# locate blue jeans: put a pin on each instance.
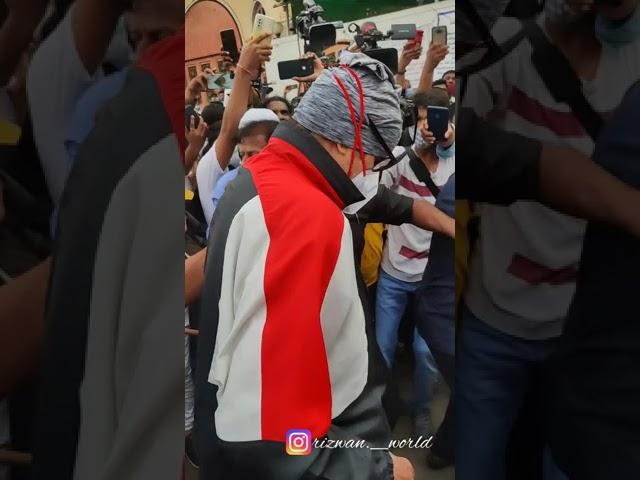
(391, 302)
(493, 374)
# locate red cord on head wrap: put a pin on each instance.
(357, 124)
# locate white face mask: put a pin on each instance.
(420, 143)
(367, 184)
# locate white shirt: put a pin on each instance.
(56, 80)
(527, 237)
(207, 175)
(406, 251)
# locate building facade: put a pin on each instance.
(205, 19)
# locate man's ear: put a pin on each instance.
(342, 149)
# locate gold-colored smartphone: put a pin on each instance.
(439, 35)
(263, 24)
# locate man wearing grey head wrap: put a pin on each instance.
(325, 111)
(288, 340)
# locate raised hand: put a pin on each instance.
(317, 69)
(254, 54)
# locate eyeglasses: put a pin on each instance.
(381, 164)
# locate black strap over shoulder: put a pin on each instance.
(421, 172)
(560, 78)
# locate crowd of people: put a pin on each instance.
(90, 94)
(547, 351)
(309, 233)
(321, 242)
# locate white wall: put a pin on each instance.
(425, 17)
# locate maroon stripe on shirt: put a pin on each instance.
(563, 124)
(421, 190)
(408, 253)
(536, 274)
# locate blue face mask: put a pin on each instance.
(617, 34)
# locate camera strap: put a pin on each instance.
(421, 171)
(562, 81)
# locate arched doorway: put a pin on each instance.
(203, 23)
(257, 8)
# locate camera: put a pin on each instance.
(409, 116)
(368, 36)
(311, 15)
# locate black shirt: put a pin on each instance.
(595, 374)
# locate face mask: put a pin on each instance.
(616, 34)
(367, 184)
(451, 89)
(420, 143)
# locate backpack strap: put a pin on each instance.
(560, 78)
(421, 172)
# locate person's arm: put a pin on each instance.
(22, 306)
(16, 33)
(573, 184)
(428, 217)
(196, 86)
(93, 23)
(194, 276)
(195, 139)
(318, 68)
(411, 51)
(395, 209)
(496, 166)
(63, 67)
(253, 55)
(435, 55)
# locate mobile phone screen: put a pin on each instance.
(439, 35)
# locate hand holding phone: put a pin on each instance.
(229, 45)
(438, 122)
(253, 55)
(295, 68)
(439, 35)
(263, 24)
(410, 52)
(436, 54)
(318, 67)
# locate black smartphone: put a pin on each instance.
(388, 56)
(438, 120)
(404, 31)
(229, 44)
(295, 68)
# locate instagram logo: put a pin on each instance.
(298, 442)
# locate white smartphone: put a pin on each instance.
(439, 35)
(263, 24)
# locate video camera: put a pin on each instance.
(368, 36)
(312, 28)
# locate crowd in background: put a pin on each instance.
(61, 64)
(394, 256)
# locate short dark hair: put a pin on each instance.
(213, 113)
(439, 83)
(264, 127)
(434, 97)
(447, 73)
(277, 98)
